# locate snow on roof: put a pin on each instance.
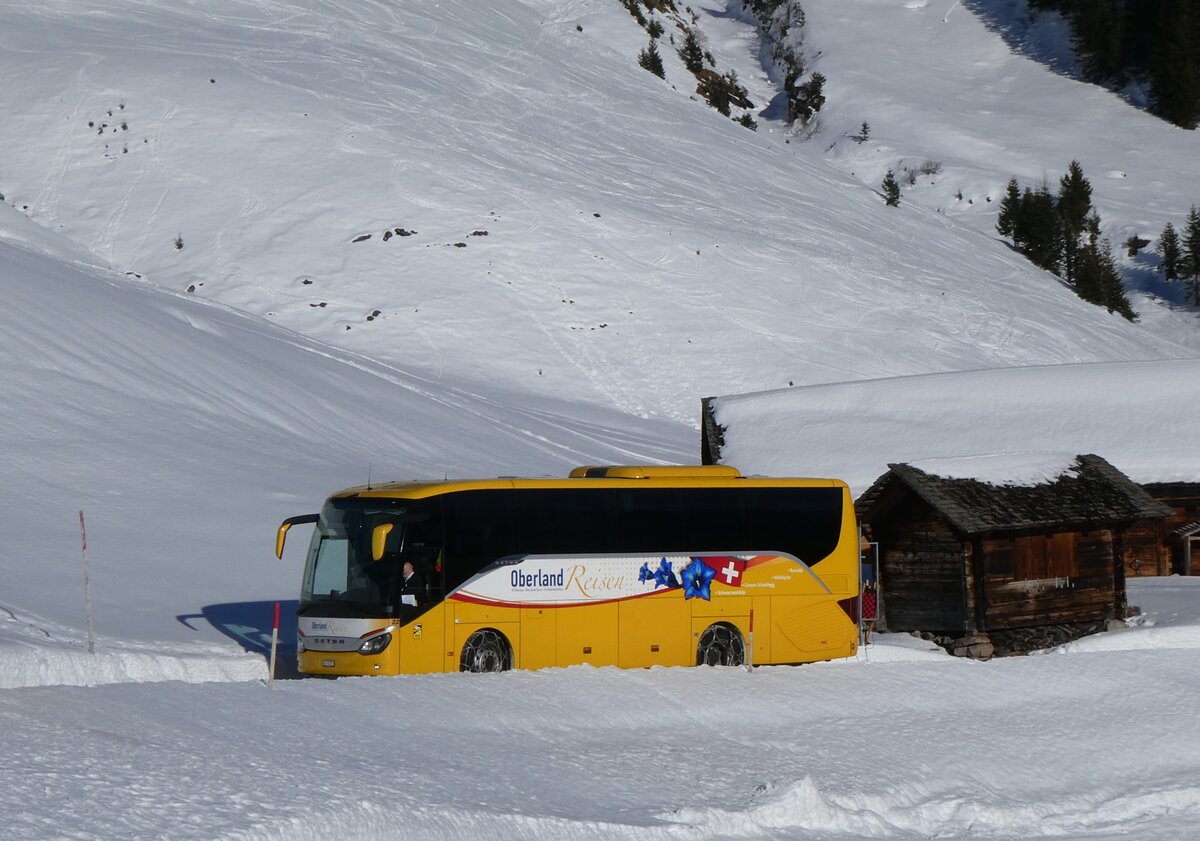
(1030, 468)
(1092, 491)
(1011, 424)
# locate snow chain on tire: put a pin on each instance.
(721, 645)
(486, 650)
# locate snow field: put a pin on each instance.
(891, 746)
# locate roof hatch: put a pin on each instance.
(672, 471)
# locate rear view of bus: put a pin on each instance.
(624, 566)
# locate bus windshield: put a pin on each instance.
(341, 575)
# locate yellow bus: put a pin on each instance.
(613, 566)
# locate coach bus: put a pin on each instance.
(613, 566)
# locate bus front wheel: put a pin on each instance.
(486, 650)
(721, 645)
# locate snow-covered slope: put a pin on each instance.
(186, 431)
(940, 82)
(578, 226)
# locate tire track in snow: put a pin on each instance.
(371, 821)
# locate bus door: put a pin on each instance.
(422, 633)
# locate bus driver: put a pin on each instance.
(412, 589)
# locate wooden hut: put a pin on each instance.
(1169, 546)
(970, 560)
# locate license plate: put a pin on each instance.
(327, 664)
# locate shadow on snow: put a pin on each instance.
(249, 625)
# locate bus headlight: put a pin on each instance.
(375, 644)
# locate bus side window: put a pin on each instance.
(478, 531)
(804, 522)
(652, 520)
(716, 519)
(553, 521)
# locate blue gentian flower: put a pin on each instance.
(697, 579)
(664, 576)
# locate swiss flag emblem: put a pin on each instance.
(728, 570)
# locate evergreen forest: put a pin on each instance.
(1153, 41)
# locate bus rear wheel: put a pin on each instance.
(721, 645)
(486, 650)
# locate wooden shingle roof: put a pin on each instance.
(1091, 493)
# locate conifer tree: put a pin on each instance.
(891, 190)
(1097, 277)
(1074, 204)
(1010, 206)
(806, 100)
(691, 53)
(1189, 265)
(1112, 289)
(1169, 248)
(1038, 232)
(1020, 220)
(649, 59)
(635, 8)
(1088, 271)
(1113, 295)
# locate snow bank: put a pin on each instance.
(39, 652)
(46, 666)
(916, 808)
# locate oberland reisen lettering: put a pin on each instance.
(538, 578)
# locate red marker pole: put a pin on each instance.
(274, 646)
(87, 589)
(750, 650)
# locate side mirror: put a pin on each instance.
(379, 539)
(281, 535)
